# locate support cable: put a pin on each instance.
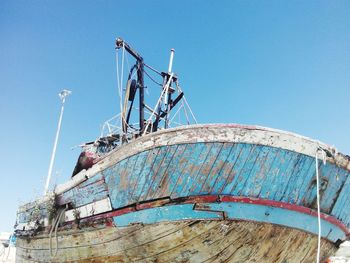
(151, 78)
(153, 69)
(319, 150)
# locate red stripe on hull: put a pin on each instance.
(217, 198)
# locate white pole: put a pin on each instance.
(169, 71)
(63, 94)
(171, 60)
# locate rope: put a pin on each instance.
(55, 226)
(318, 200)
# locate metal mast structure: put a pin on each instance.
(63, 94)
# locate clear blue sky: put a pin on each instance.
(282, 64)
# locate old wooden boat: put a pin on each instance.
(193, 193)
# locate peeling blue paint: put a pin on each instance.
(165, 213)
(223, 168)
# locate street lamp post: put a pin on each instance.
(63, 94)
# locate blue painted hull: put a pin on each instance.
(220, 178)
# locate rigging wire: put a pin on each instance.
(185, 111)
(187, 104)
(153, 69)
(151, 78)
(194, 118)
(319, 149)
(175, 114)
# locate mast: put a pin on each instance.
(120, 43)
(167, 98)
(141, 94)
(170, 96)
(168, 78)
(63, 94)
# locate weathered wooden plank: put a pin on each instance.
(246, 171)
(303, 172)
(190, 171)
(144, 174)
(284, 174)
(336, 179)
(243, 167)
(236, 169)
(204, 170)
(81, 249)
(173, 170)
(302, 165)
(164, 214)
(153, 173)
(89, 191)
(205, 241)
(216, 173)
(98, 236)
(279, 216)
(94, 208)
(177, 167)
(131, 177)
(134, 177)
(117, 182)
(258, 174)
(341, 208)
(227, 175)
(159, 178)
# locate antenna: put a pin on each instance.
(63, 94)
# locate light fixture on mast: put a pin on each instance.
(63, 94)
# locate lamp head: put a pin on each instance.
(64, 93)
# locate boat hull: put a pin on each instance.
(197, 182)
(186, 241)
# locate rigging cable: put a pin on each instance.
(319, 149)
(153, 69)
(194, 118)
(151, 78)
(185, 111)
(175, 114)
